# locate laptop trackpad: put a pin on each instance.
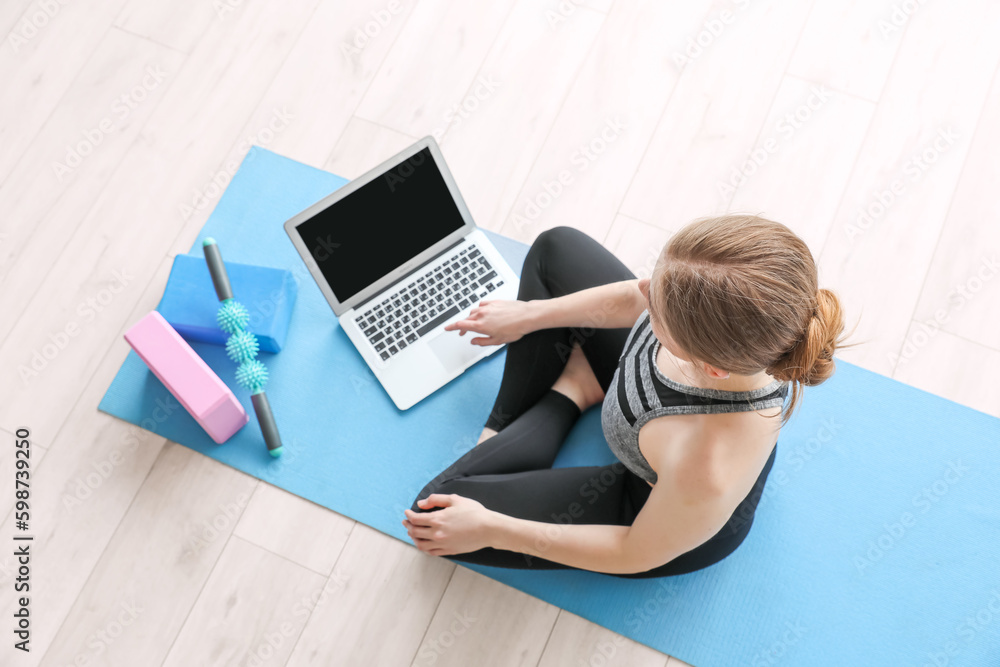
(452, 350)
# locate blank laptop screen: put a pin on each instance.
(381, 225)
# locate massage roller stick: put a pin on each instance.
(242, 346)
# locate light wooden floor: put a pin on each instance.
(148, 553)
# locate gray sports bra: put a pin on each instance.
(639, 392)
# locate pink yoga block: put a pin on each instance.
(187, 376)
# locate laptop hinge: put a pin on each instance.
(407, 275)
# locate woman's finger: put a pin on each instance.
(422, 533)
(461, 325)
(420, 518)
(482, 340)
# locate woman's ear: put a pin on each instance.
(713, 372)
(644, 287)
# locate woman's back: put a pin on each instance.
(642, 396)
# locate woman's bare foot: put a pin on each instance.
(578, 381)
(486, 434)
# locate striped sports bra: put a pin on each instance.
(640, 392)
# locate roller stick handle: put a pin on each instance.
(220, 278)
(267, 425)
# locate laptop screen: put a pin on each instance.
(382, 225)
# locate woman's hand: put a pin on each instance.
(463, 525)
(501, 322)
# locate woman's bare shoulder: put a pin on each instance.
(709, 454)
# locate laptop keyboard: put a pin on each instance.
(415, 309)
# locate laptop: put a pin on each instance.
(397, 256)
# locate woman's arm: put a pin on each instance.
(611, 306)
(685, 508)
(616, 305)
(596, 547)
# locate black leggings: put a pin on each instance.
(512, 472)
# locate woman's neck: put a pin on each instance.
(686, 372)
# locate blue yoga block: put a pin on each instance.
(190, 305)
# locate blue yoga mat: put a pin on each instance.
(875, 542)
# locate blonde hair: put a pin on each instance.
(740, 293)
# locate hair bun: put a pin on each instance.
(810, 360)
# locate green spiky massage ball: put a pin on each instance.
(232, 317)
(242, 346)
(252, 375)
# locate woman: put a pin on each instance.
(693, 366)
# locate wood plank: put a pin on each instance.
(8, 563)
(584, 168)
(963, 279)
(955, 368)
(178, 24)
(715, 115)
(74, 155)
(494, 120)
(161, 555)
(876, 253)
(83, 491)
(483, 622)
(800, 165)
(362, 145)
(637, 244)
(432, 64)
(73, 30)
(294, 528)
(251, 611)
(391, 589)
(21, 20)
(577, 641)
(849, 45)
(128, 231)
(324, 78)
(941, 75)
